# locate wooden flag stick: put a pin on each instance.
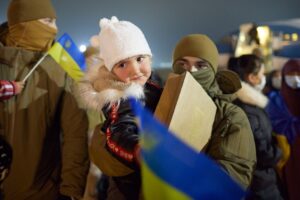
(35, 66)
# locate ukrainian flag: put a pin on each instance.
(172, 170)
(68, 56)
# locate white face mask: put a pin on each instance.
(262, 84)
(292, 81)
(276, 82)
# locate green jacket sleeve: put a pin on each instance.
(75, 161)
(232, 146)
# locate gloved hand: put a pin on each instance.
(124, 132)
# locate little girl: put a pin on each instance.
(124, 71)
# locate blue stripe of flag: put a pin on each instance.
(177, 164)
(69, 45)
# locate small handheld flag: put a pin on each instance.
(172, 170)
(67, 55)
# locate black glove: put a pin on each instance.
(124, 132)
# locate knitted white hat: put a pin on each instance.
(119, 40)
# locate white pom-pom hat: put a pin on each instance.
(119, 40)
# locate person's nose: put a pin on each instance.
(135, 68)
(191, 68)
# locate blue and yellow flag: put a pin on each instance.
(68, 56)
(172, 170)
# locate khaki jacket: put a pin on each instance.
(46, 128)
(232, 143)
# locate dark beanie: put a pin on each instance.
(28, 10)
(197, 45)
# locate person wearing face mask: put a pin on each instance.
(231, 144)
(44, 125)
(273, 82)
(265, 183)
(284, 112)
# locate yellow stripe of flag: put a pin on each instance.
(62, 57)
(162, 189)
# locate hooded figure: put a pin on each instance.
(284, 112)
(44, 125)
(231, 144)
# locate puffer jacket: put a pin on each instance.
(265, 183)
(123, 129)
(114, 142)
(46, 129)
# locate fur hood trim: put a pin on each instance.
(250, 95)
(99, 87)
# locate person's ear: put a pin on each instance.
(252, 79)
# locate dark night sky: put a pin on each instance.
(165, 21)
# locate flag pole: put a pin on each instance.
(34, 67)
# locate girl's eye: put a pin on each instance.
(140, 58)
(122, 65)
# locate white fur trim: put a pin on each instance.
(250, 95)
(100, 87)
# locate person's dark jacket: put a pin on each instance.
(265, 183)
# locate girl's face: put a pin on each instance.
(136, 69)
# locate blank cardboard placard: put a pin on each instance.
(187, 110)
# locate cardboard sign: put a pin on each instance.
(187, 110)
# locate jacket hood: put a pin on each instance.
(229, 83)
(99, 87)
(249, 95)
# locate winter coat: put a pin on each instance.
(265, 183)
(287, 128)
(114, 142)
(231, 144)
(46, 129)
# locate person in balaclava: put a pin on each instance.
(44, 125)
(284, 112)
(231, 144)
(266, 182)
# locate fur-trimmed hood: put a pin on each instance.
(99, 87)
(249, 95)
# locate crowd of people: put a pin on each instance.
(47, 137)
